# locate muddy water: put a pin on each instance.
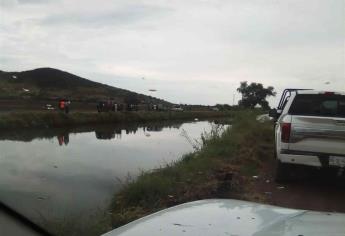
(49, 173)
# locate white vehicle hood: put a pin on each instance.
(234, 218)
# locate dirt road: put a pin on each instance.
(311, 190)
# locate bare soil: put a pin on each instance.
(311, 189)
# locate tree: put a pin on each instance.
(254, 94)
(223, 107)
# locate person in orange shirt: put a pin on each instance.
(62, 104)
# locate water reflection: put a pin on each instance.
(116, 132)
(58, 172)
(63, 139)
(106, 132)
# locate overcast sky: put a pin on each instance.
(189, 51)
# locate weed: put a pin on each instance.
(199, 174)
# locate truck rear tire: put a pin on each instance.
(282, 172)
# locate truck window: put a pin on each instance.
(318, 105)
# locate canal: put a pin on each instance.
(48, 174)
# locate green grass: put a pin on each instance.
(58, 119)
(197, 175)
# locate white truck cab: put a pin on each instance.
(310, 130)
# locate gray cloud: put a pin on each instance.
(33, 1)
(123, 15)
(185, 48)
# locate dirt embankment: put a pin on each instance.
(312, 189)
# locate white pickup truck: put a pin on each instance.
(310, 130)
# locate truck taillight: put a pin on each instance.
(286, 130)
(328, 93)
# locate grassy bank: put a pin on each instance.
(209, 172)
(57, 119)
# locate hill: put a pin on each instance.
(51, 84)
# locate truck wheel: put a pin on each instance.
(282, 172)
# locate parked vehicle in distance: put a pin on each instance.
(177, 109)
(106, 106)
(48, 107)
(310, 130)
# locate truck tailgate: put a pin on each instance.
(318, 135)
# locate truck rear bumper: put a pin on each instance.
(300, 159)
(311, 158)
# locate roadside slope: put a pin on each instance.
(237, 164)
(213, 171)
